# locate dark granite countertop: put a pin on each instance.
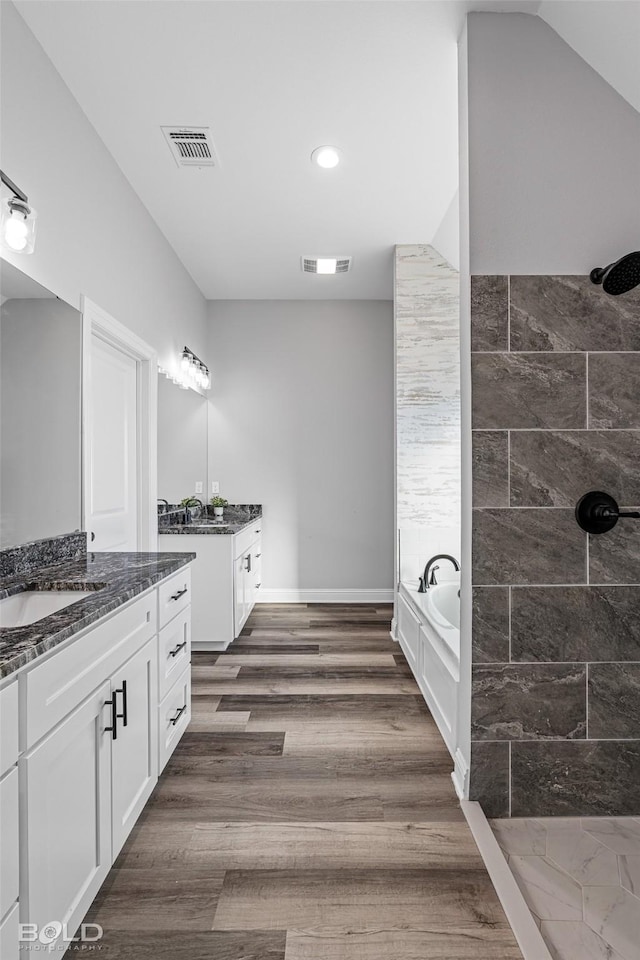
(113, 578)
(236, 518)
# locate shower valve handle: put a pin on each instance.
(598, 512)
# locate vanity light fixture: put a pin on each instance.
(326, 157)
(190, 373)
(17, 220)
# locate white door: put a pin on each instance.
(112, 437)
(66, 786)
(134, 751)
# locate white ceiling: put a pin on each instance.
(273, 80)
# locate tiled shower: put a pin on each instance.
(556, 615)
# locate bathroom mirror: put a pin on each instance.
(182, 442)
(40, 411)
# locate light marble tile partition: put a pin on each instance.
(427, 340)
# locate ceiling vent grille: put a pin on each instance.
(191, 146)
(319, 265)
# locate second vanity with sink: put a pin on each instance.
(227, 570)
(94, 697)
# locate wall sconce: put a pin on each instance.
(17, 220)
(192, 372)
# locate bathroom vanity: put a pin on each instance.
(94, 698)
(226, 572)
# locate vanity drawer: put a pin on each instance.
(8, 840)
(246, 538)
(174, 714)
(56, 687)
(8, 726)
(175, 650)
(174, 595)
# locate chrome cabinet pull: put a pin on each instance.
(113, 729)
(123, 690)
(175, 719)
(176, 650)
(247, 560)
(258, 585)
(258, 555)
(180, 593)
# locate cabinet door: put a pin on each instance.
(239, 601)
(66, 830)
(134, 751)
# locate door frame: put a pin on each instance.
(96, 321)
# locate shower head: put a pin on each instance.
(619, 277)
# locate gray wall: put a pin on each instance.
(40, 364)
(556, 637)
(94, 235)
(301, 420)
(554, 153)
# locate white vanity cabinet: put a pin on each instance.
(226, 575)
(9, 874)
(80, 738)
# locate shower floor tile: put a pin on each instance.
(580, 878)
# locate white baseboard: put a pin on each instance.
(520, 919)
(210, 646)
(325, 596)
(460, 775)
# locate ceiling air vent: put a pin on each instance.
(191, 146)
(326, 265)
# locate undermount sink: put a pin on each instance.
(32, 605)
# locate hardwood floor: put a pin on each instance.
(307, 814)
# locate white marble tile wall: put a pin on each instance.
(427, 304)
(580, 878)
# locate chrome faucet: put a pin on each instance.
(428, 578)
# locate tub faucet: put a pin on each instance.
(428, 578)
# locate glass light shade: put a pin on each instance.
(17, 226)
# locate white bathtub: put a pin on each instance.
(428, 630)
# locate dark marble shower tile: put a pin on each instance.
(575, 778)
(614, 701)
(528, 701)
(555, 468)
(575, 623)
(614, 557)
(490, 624)
(490, 468)
(489, 778)
(489, 313)
(528, 390)
(523, 546)
(614, 389)
(571, 313)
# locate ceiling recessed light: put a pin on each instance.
(326, 157)
(326, 264)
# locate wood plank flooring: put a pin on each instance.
(307, 814)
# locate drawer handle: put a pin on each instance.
(258, 555)
(258, 585)
(123, 690)
(247, 560)
(113, 729)
(175, 719)
(176, 650)
(180, 593)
